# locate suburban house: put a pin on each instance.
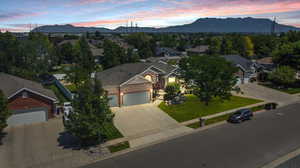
(247, 68)
(29, 101)
(134, 83)
(201, 49)
(167, 52)
(98, 53)
(266, 64)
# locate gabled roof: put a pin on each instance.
(11, 85)
(239, 60)
(199, 49)
(123, 73)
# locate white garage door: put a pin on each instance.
(27, 117)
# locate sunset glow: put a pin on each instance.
(17, 15)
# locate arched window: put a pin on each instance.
(149, 78)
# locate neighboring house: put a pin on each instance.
(247, 68)
(202, 49)
(29, 101)
(134, 83)
(167, 52)
(98, 53)
(266, 64)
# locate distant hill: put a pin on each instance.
(69, 29)
(214, 25)
(230, 25)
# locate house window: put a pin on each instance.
(24, 95)
(172, 80)
(148, 77)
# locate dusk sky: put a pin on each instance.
(16, 15)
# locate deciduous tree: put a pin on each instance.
(209, 76)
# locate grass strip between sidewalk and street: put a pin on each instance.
(119, 147)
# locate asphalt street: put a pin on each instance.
(251, 144)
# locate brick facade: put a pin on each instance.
(18, 102)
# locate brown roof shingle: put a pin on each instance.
(11, 84)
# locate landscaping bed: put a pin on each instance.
(193, 108)
(119, 147)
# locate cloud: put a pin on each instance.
(85, 2)
(5, 29)
(99, 22)
(198, 8)
(18, 15)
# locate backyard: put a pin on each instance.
(194, 108)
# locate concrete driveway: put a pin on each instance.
(146, 123)
(268, 94)
(37, 145)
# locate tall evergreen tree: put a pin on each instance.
(91, 113)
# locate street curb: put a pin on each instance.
(282, 159)
(131, 149)
(158, 142)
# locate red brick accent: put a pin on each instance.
(32, 101)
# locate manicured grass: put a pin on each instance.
(58, 93)
(111, 131)
(194, 108)
(119, 147)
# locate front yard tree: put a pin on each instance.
(4, 112)
(171, 90)
(283, 76)
(91, 113)
(209, 76)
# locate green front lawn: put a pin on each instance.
(111, 131)
(193, 108)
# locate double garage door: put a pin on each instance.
(136, 98)
(130, 99)
(27, 117)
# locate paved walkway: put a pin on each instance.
(146, 123)
(268, 94)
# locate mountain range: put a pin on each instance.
(206, 25)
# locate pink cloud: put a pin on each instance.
(5, 29)
(100, 22)
(212, 8)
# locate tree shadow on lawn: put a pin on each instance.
(2, 135)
